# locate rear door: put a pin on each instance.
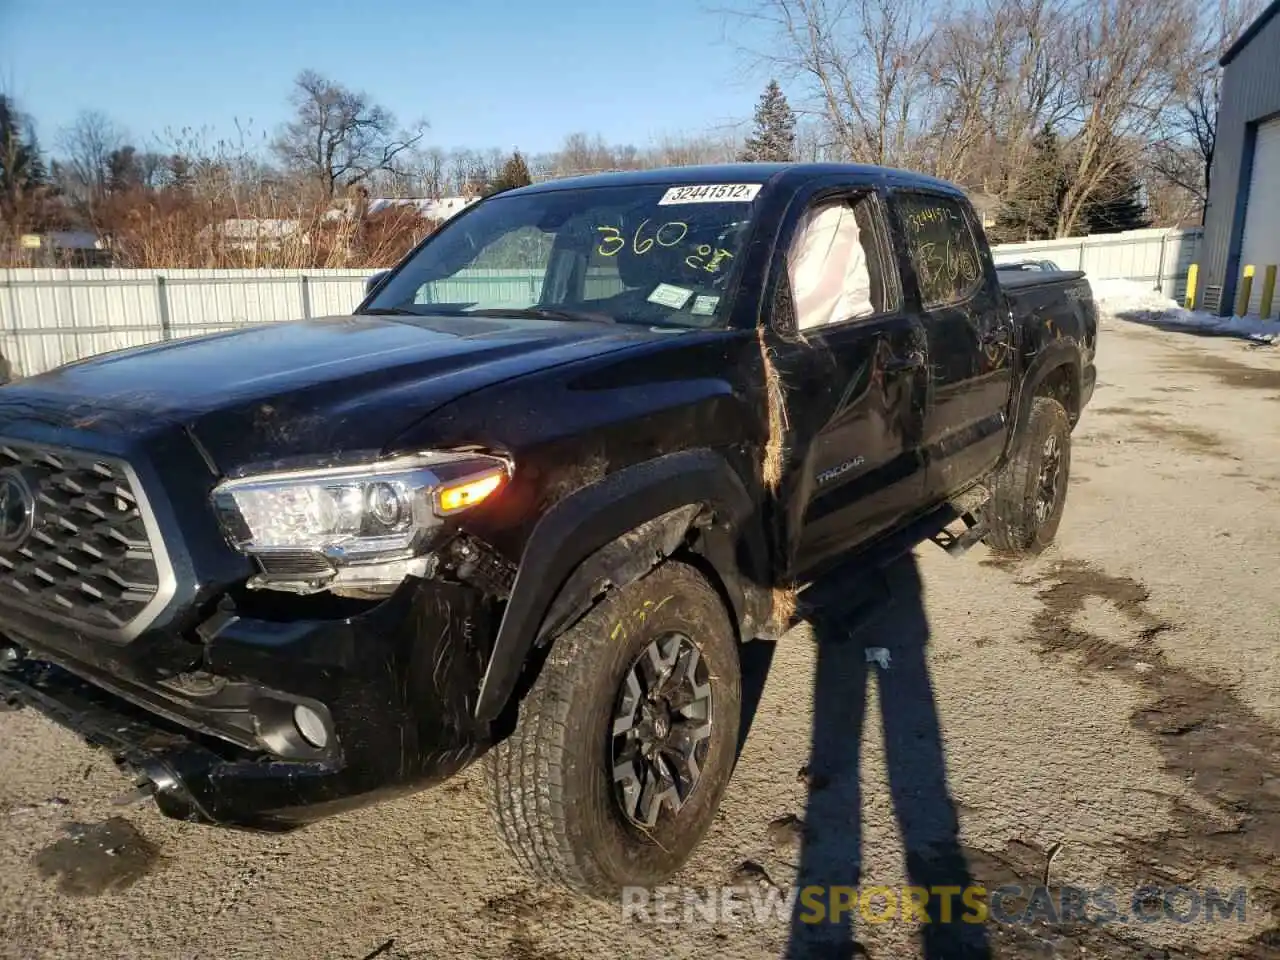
(969, 330)
(852, 364)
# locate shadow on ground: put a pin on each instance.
(1209, 739)
(856, 621)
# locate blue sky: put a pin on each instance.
(506, 73)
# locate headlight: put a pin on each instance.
(365, 514)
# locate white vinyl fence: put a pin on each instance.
(1158, 256)
(49, 317)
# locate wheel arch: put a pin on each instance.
(1062, 383)
(1056, 371)
(691, 503)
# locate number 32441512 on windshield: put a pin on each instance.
(711, 193)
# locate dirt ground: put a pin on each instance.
(1107, 716)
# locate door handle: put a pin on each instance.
(912, 361)
(998, 335)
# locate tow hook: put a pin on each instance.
(153, 778)
(144, 789)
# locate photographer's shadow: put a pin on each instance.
(851, 615)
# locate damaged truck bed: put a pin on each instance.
(527, 515)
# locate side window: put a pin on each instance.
(942, 248)
(835, 267)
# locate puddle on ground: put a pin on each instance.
(1156, 423)
(1233, 374)
(97, 858)
(1208, 739)
(1198, 441)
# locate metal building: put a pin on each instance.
(1242, 221)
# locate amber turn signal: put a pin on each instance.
(461, 496)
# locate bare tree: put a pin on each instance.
(86, 148)
(861, 62)
(1183, 156)
(584, 153)
(458, 171)
(965, 92)
(1124, 77)
(999, 79)
(430, 172)
(338, 137)
(678, 150)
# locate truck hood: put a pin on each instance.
(315, 388)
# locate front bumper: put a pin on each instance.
(397, 685)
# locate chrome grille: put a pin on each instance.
(88, 558)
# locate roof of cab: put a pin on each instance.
(739, 173)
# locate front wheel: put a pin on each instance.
(1030, 492)
(625, 744)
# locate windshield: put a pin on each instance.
(652, 254)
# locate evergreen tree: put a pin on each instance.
(24, 182)
(180, 172)
(774, 136)
(514, 173)
(1031, 211)
(1117, 205)
(124, 171)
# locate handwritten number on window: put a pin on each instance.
(946, 262)
(667, 235)
(611, 243)
(638, 245)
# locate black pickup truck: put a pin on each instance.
(527, 501)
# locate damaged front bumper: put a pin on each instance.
(394, 688)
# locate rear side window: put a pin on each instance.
(942, 248)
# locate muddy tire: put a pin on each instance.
(656, 661)
(1030, 493)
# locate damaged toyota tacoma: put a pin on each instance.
(527, 502)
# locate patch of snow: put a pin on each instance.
(1134, 301)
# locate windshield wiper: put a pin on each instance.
(390, 312)
(542, 313)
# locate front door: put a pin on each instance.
(969, 331)
(852, 365)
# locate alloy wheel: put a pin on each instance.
(661, 729)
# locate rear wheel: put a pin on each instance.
(1030, 492)
(625, 744)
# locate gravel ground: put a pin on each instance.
(1113, 707)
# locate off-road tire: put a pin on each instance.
(550, 783)
(1012, 524)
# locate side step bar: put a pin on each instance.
(860, 585)
(958, 543)
(883, 552)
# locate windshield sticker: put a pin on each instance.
(704, 306)
(669, 295)
(711, 193)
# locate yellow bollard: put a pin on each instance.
(1193, 273)
(1268, 291)
(1246, 292)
